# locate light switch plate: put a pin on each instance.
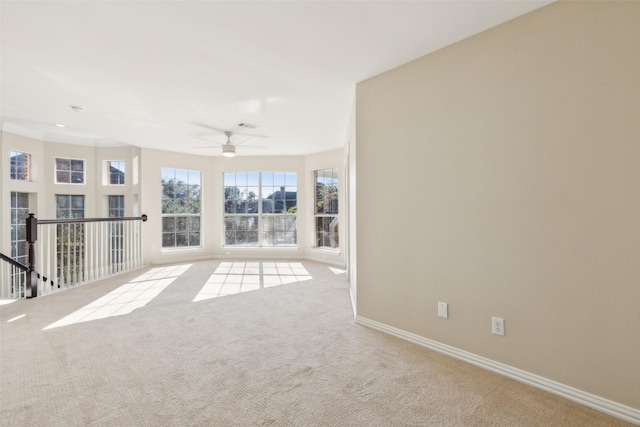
(443, 310)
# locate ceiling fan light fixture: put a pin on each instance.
(228, 150)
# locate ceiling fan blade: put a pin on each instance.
(209, 140)
(206, 147)
(206, 126)
(250, 135)
(223, 131)
(251, 147)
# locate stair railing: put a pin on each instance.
(71, 252)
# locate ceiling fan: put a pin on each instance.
(228, 148)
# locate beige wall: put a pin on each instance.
(502, 176)
(142, 193)
(37, 186)
(11, 142)
(42, 187)
(42, 174)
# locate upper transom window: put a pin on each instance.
(69, 171)
(19, 163)
(115, 169)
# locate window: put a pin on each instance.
(19, 213)
(326, 208)
(19, 162)
(116, 210)
(115, 170)
(181, 208)
(116, 206)
(70, 239)
(69, 171)
(260, 209)
(69, 206)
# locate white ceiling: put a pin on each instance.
(152, 73)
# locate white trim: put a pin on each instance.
(260, 248)
(353, 305)
(181, 250)
(246, 257)
(330, 251)
(598, 403)
(337, 263)
(260, 258)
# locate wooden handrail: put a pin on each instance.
(14, 262)
(142, 218)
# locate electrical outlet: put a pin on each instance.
(497, 326)
(443, 310)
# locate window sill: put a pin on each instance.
(167, 251)
(242, 248)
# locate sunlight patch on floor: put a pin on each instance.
(135, 294)
(237, 277)
(337, 270)
(16, 318)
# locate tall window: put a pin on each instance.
(19, 213)
(69, 171)
(260, 209)
(181, 208)
(116, 206)
(19, 165)
(115, 170)
(326, 208)
(70, 239)
(116, 210)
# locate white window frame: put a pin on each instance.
(19, 249)
(189, 217)
(14, 168)
(108, 174)
(320, 211)
(263, 218)
(18, 226)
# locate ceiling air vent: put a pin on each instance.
(247, 125)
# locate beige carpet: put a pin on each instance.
(287, 355)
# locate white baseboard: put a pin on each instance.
(597, 403)
(248, 257)
(321, 260)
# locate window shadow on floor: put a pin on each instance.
(237, 277)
